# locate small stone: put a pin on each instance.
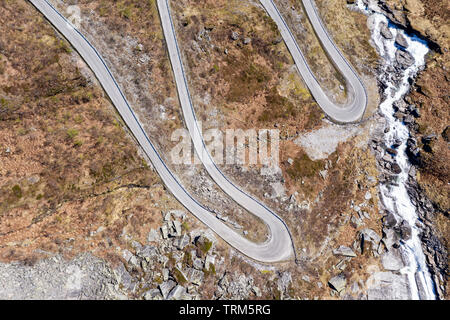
(234, 35)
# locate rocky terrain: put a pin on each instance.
(79, 201)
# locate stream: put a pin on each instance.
(394, 195)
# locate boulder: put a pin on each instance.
(405, 59)
(183, 242)
(389, 220)
(165, 231)
(197, 263)
(344, 251)
(392, 260)
(395, 168)
(387, 286)
(405, 230)
(195, 276)
(153, 294)
(400, 40)
(166, 287)
(177, 228)
(338, 282)
(176, 293)
(385, 32)
(147, 252)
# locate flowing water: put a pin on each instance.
(395, 196)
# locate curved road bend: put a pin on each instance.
(356, 105)
(277, 248)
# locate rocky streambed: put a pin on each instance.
(403, 55)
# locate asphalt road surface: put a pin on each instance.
(279, 245)
(277, 248)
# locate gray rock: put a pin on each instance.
(389, 220)
(234, 35)
(126, 254)
(323, 174)
(195, 276)
(247, 41)
(184, 241)
(153, 236)
(405, 230)
(166, 287)
(387, 286)
(153, 294)
(392, 260)
(197, 263)
(165, 273)
(284, 281)
(390, 238)
(405, 59)
(338, 282)
(400, 40)
(177, 227)
(344, 251)
(147, 252)
(385, 32)
(355, 287)
(165, 231)
(176, 293)
(305, 278)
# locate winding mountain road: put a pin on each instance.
(354, 108)
(279, 246)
